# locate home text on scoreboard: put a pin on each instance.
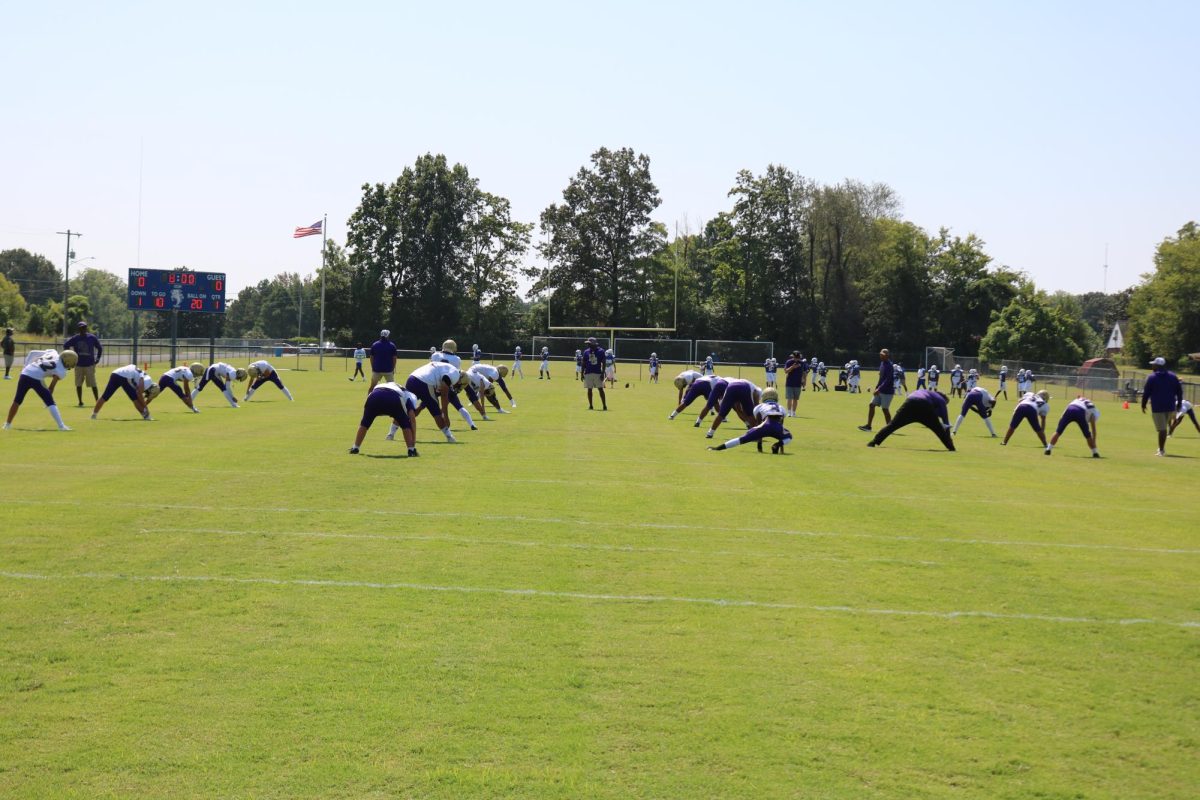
(176, 290)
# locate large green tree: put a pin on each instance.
(493, 246)
(1165, 308)
(599, 235)
(37, 276)
(967, 292)
(406, 242)
(12, 304)
(1032, 327)
(107, 298)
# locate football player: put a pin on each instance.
(769, 418)
(1032, 408)
(982, 403)
(133, 382)
(39, 365)
(391, 400)
(1082, 412)
(222, 376)
(178, 380)
(262, 372)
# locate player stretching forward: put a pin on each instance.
(516, 367)
(982, 403)
(262, 372)
(683, 380)
(220, 375)
(771, 425)
(390, 400)
(477, 387)
(741, 396)
(1032, 408)
(433, 385)
(132, 381)
(654, 367)
(38, 366)
(1185, 410)
(172, 378)
(926, 407)
(1082, 412)
(496, 375)
(544, 368)
(696, 385)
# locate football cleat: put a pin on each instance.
(353, 451)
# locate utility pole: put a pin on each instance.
(67, 273)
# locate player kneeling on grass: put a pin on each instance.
(390, 400)
(740, 396)
(433, 385)
(496, 375)
(769, 418)
(177, 380)
(220, 375)
(39, 365)
(133, 382)
(1082, 412)
(261, 372)
(925, 406)
(982, 403)
(1033, 408)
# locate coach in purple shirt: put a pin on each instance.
(1164, 393)
(383, 359)
(884, 389)
(87, 345)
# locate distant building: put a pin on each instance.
(1116, 339)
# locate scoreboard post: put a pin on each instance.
(176, 290)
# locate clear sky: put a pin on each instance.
(1049, 129)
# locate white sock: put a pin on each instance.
(957, 422)
(392, 430)
(194, 393)
(732, 443)
(288, 394)
(988, 422)
(250, 393)
(447, 433)
(467, 416)
(230, 398)
(54, 413)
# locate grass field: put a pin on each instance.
(575, 604)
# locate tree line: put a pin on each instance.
(828, 268)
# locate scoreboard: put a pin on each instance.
(176, 290)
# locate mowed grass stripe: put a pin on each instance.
(591, 596)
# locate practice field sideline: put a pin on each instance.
(590, 604)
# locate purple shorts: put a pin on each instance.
(166, 383)
(117, 382)
(385, 403)
(738, 396)
(26, 384)
(421, 389)
(772, 427)
(1078, 416)
(1026, 412)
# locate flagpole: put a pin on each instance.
(321, 334)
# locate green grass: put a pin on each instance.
(583, 604)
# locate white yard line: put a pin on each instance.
(590, 596)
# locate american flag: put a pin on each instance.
(308, 230)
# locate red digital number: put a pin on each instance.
(141, 282)
(190, 280)
(197, 305)
(217, 285)
(171, 278)
(139, 301)
(217, 305)
(159, 302)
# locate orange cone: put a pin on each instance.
(1125, 405)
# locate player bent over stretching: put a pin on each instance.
(262, 372)
(220, 375)
(982, 403)
(1082, 412)
(1033, 408)
(433, 385)
(496, 375)
(1185, 410)
(132, 381)
(390, 400)
(769, 416)
(703, 386)
(925, 406)
(683, 380)
(741, 396)
(177, 380)
(38, 366)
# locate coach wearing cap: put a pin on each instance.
(383, 359)
(87, 345)
(1164, 393)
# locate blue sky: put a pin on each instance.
(1050, 130)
